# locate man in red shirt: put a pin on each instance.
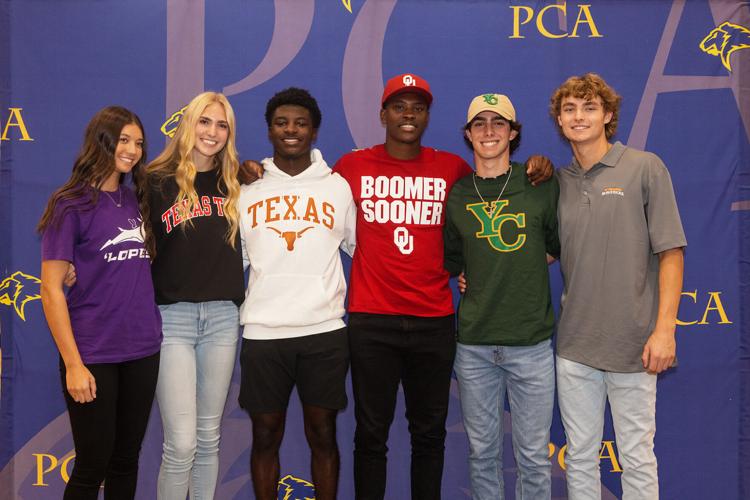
(401, 316)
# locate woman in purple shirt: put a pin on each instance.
(107, 327)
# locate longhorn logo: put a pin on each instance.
(133, 234)
(725, 40)
(289, 236)
(17, 290)
(294, 488)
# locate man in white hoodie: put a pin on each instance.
(293, 221)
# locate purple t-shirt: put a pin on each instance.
(112, 309)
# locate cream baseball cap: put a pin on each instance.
(497, 103)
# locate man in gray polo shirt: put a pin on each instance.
(622, 261)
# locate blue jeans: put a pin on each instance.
(197, 360)
(484, 372)
(582, 393)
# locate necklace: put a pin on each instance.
(488, 206)
(118, 203)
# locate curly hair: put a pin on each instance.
(296, 97)
(588, 86)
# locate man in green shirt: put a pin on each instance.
(500, 231)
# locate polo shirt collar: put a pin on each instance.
(613, 155)
(609, 160)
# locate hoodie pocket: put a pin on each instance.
(291, 300)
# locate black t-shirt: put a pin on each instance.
(194, 262)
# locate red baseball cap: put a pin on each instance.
(407, 82)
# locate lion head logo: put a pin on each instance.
(294, 488)
(169, 127)
(725, 40)
(17, 290)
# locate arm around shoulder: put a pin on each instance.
(539, 169)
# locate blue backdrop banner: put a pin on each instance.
(680, 66)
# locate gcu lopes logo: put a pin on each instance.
(17, 290)
(135, 233)
(294, 488)
(724, 40)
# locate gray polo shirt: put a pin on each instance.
(613, 221)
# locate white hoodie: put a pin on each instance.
(292, 228)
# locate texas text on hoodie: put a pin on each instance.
(292, 228)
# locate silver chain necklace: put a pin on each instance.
(117, 203)
(488, 206)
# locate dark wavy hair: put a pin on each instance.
(587, 87)
(296, 97)
(95, 162)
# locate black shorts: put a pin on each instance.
(317, 364)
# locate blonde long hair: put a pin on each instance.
(176, 161)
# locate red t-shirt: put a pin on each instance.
(398, 263)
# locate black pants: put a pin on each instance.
(107, 432)
(418, 353)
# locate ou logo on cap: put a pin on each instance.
(409, 81)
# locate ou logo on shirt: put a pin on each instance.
(403, 240)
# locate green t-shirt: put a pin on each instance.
(503, 254)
